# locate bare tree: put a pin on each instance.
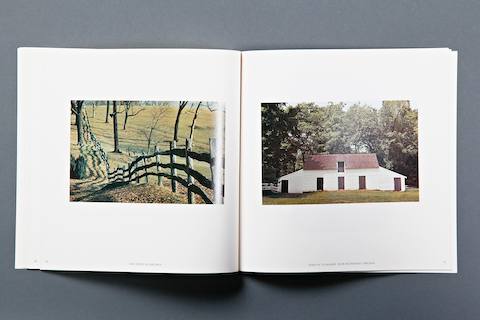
(195, 116)
(73, 110)
(181, 106)
(129, 112)
(107, 113)
(155, 118)
(116, 147)
(76, 107)
(194, 120)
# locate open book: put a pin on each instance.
(218, 161)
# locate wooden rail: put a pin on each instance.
(88, 135)
(149, 165)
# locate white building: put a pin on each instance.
(331, 172)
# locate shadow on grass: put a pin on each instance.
(99, 195)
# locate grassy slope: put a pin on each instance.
(133, 141)
(348, 196)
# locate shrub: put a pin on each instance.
(73, 164)
(78, 167)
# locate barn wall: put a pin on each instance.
(376, 179)
(296, 181)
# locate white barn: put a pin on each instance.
(332, 172)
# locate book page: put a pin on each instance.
(348, 160)
(128, 160)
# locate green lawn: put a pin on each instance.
(347, 196)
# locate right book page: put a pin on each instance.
(348, 161)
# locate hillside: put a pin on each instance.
(145, 122)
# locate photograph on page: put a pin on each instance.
(339, 152)
(147, 151)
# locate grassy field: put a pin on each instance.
(133, 141)
(347, 196)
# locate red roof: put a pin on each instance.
(352, 161)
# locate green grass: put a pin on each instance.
(347, 196)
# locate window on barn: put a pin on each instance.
(341, 166)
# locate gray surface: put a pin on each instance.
(244, 25)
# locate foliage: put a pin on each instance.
(279, 127)
(289, 131)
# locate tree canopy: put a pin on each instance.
(290, 132)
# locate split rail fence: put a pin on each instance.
(150, 165)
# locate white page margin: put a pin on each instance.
(119, 236)
(289, 238)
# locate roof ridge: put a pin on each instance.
(352, 161)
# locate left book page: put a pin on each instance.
(128, 160)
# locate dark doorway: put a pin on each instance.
(362, 183)
(398, 184)
(284, 186)
(341, 183)
(319, 184)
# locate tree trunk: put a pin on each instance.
(125, 119)
(129, 112)
(115, 128)
(79, 107)
(192, 127)
(177, 120)
(108, 111)
(73, 110)
(149, 140)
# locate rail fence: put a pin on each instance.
(88, 135)
(145, 166)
